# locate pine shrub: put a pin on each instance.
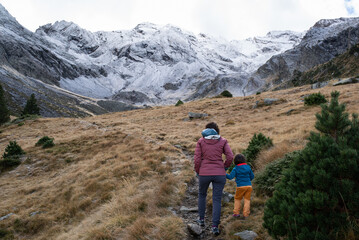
(45, 142)
(314, 99)
(4, 112)
(179, 102)
(48, 144)
(9, 162)
(226, 93)
(273, 173)
(257, 143)
(13, 149)
(31, 106)
(11, 155)
(318, 196)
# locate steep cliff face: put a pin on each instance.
(324, 41)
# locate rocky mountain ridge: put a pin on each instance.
(160, 64)
(324, 41)
(29, 64)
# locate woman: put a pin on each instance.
(210, 168)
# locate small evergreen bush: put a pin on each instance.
(257, 143)
(9, 162)
(226, 93)
(48, 144)
(11, 155)
(273, 173)
(31, 107)
(314, 99)
(179, 102)
(318, 196)
(45, 142)
(13, 149)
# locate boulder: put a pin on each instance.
(194, 229)
(267, 102)
(186, 209)
(193, 115)
(6, 216)
(319, 85)
(227, 197)
(290, 111)
(270, 101)
(247, 235)
(346, 81)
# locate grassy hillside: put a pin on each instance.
(120, 175)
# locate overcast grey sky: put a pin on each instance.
(230, 19)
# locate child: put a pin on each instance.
(244, 175)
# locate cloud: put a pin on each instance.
(350, 6)
(230, 19)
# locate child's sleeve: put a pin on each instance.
(232, 175)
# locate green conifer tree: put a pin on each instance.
(4, 111)
(31, 106)
(318, 197)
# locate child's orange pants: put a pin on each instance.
(242, 192)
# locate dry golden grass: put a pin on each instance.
(113, 176)
(273, 153)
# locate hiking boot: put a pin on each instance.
(236, 215)
(200, 222)
(243, 218)
(215, 230)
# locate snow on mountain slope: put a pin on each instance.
(158, 64)
(327, 39)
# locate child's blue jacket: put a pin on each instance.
(243, 174)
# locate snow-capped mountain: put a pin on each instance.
(154, 64)
(327, 39)
(158, 64)
(29, 65)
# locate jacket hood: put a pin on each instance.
(211, 141)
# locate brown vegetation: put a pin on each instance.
(114, 176)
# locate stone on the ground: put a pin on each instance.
(186, 209)
(227, 197)
(247, 235)
(319, 85)
(6, 216)
(193, 115)
(35, 213)
(270, 101)
(346, 81)
(290, 111)
(194, 229)
(267, 102)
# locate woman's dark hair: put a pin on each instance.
(239, 158)
(213, 125)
